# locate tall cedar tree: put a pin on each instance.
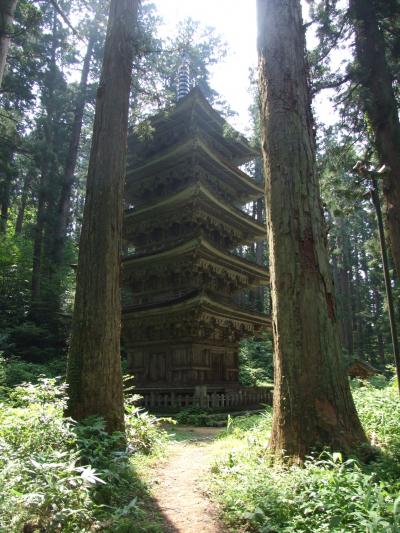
(380, 105)
(94, 366)
(313, 406)
(7, 11)
(48, 164)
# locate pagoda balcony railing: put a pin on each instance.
(162, 400)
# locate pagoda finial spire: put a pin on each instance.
(183, 77)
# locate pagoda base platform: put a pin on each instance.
(207, 397)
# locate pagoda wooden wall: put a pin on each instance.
(183, 364)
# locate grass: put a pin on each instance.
(329, 494)
(59, 476)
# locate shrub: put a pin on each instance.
(196, 416)
(143, 430)
(33, 342)
(56, 475)
(41, 479)
(14, 371)
(378, 406)
(328, 494)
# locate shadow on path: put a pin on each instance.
(177, 483)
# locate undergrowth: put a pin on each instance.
(329, 494)
(14, 370)
(56, 475)
(196, 416)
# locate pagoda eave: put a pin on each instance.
(200, 257)
(237, 144)
(191, 202)
(191, 152)
(194, 108)
(196, 316)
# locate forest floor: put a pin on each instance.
(177, 482)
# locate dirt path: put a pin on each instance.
(177, 486)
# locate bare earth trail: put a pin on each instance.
(177, 487)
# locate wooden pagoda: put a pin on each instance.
(181, 328)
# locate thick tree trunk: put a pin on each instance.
(94, 366)
(260, 245)
(313, 406)
(380, 106)
(7, 11)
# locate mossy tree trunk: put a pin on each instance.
(94, 366)
(313, 406)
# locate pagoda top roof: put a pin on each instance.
(195, 112)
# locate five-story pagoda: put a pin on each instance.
(181, 328)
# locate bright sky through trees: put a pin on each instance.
(235, 20)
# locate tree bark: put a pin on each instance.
(94, 365)
(260, 245)
(378, 319)
(380, 106)
(24, 198)
(5, 191)
(386, 274)
(6, 19)
(45, 191)
(344, 286)
(37, 247)
(313, 406)
(357, 305)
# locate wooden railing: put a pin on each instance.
(249, 397)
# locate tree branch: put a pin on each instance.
(66, 20)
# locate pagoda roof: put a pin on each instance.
(199, 251)
(212, 209)
(239, 185)
(200, 303)
(195, 112)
